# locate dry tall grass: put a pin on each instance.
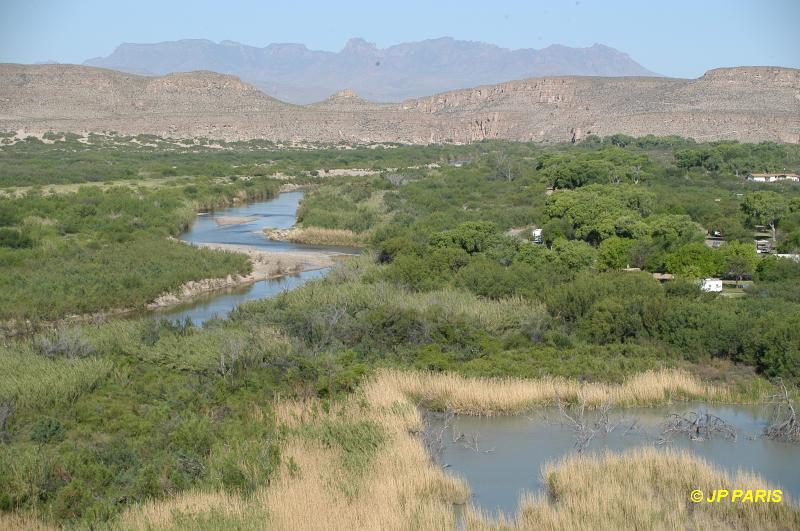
(646, 489)
(400, 488)
(485, 396)
(321, 236)
(17, 522)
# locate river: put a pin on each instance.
(511, 449)
(277, 213)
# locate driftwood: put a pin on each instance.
(783, 417)
(696, 426)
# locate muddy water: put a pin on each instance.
(277, 213)
(511, 450)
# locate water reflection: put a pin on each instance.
(502, 456)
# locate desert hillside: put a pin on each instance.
(746, 103)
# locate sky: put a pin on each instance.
(681, 38)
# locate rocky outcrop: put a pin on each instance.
(747, 104)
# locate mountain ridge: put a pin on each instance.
(748, 104)
(293, 72)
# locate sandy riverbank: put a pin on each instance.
(265, 265)
(233, 220)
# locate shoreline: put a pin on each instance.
(266, 265)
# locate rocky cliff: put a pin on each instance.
(747, 104)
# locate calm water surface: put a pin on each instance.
(512, 449)
(277, 213)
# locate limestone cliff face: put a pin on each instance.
(748, 104)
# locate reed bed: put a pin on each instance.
(323, 236)
(394, 485)
(646, 488)
(14, 522)
(491, 396)
(30, 379)
(492, 315)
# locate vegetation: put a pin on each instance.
(137, 423)
(391, 478)
(97, 249)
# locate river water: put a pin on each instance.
(511, 449)
(277, 213)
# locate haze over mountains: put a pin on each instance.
(293, 73)
(747, 103)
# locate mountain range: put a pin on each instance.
(745, 103)
(293, 73)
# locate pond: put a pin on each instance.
(500, 457)
(277, 213)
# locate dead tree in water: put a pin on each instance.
(697, 426)
(433, 438)
(584, 429)
(783, 418)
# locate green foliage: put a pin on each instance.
(694, 260)
(764, 208)
(732, 156)
(615, 253)
(603, 166)
(574, 255)
(593, 211)
(101, 417)
(97, 249)
(472, 236)
(739, 259)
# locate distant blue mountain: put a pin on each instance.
(292, 72)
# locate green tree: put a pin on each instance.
(614, 253)
(765, 208)
(694, 260)
(670, 231)
(739, 259)
(574, 254)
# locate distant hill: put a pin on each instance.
(293, 73)
(748, 104)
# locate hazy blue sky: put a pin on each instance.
(674, 37)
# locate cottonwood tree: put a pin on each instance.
(740, 260)
(765, 208)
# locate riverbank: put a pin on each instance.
(265, 265)
(361, 463)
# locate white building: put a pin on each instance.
(712, 285)
(773, 177)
